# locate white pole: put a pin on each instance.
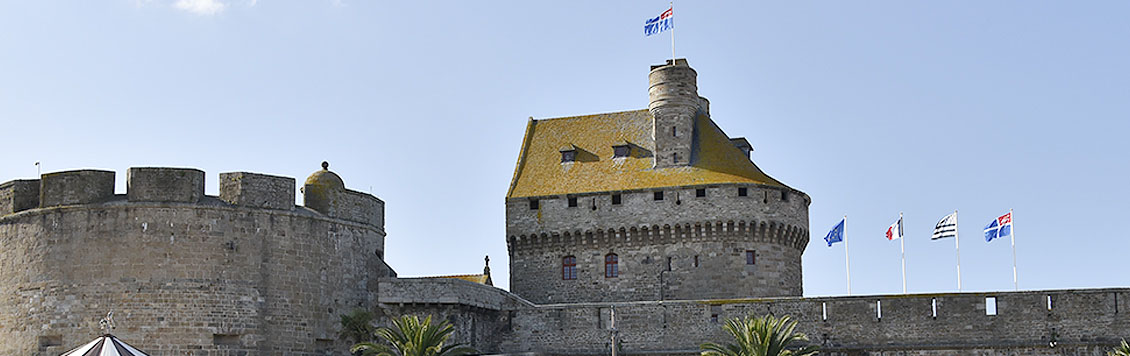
(612, 317)
(38, 170)
(902, 243)
(957, 245)
(847, 259)
(672, 32)
(1012, 220)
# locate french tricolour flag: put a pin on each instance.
(895, 230)
(663, 22)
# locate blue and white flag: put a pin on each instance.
(1000, 227)
(836, 235)
(663, 22)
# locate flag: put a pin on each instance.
(836, 235)
(663, 22)
(946, 228)
(1000, 227)
(895, 230)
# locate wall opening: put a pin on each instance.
(225, 339)
(572, 202)
(750, 257)
(715, 313)
(668, 264)
(700, 192)
(743, 192)
(1050, 302)
(534, 205)
(616, 199)
(878, 310)
(46, 341)
(696, 260)
(673, 132)
(657, 196)
(824, 311)
(990, 305)
(934, 308)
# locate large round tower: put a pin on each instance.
(654, 204)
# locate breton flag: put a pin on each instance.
(663, 22)
(1000, 227)
(895, 230)
(836, 235)
(946, 228)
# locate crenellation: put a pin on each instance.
(19, 195)
(163, 184)
(75, 187)
(255, 190)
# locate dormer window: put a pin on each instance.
(568, 153)
(622, 149)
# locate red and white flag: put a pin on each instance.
(895, 230)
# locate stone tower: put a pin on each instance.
(655, 204)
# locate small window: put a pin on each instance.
(990, 305)
(675, 157)
(568, 156)
(616, 199)
(534, 204)
(569, 267)
(696, 260)
(1049, 302)
(658, 196)
(743, 192)
(700, 192)
(673, 132)
(669, 259)
(878, 309)
(621, 151)
(784, 196)
(572, 202)
(934, 307)
(611, 266)
(750, 257)
(824, 311)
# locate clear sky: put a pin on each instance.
(870, 107)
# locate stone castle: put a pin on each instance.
(651, 225)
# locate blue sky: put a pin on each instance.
(870, 107)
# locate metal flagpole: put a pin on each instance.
(612, 317)
(672, 32)
(847, 259)
(957, 245)
(902, 243)
(1012, 233)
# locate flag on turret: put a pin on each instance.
(663, 22)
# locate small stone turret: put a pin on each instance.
(325, 192)
(674, 103)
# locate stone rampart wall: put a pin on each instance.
(649, 235)
(1081, 322)
(19, 195)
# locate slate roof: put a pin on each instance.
(540, 172)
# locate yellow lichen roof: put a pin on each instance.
(540, 172)
(477, 278)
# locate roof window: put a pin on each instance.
(619, 151)
(568, 154)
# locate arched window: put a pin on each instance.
(569, 267)
(611, 266)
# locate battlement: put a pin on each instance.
(756, 231)
(181, 185)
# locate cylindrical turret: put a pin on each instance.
(674, 103)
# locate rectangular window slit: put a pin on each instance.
(696, 260)
(990, 305)
(743, 192)
(934, 307)
(534, 204)
(750, 257)
(1049, 302)
(878, 309)
(572, 202)
(824, 310)
(616, 199)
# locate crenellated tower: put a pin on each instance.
(656, 204)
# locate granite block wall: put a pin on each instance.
(257, 190)
(75, 187)
(19, 195)
(158, 184)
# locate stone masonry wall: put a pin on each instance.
(1081, 322)
(159, 184)
(19, 195)
(75, 187)
(204, 278)
(649, 235)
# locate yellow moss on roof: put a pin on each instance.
(539, 171)
(477, 278)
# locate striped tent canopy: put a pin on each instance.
(105, 345)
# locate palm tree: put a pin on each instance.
(1123, 350)
(411, 337)
(764, 336)
(357, 326)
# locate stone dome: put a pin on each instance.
(324, 178)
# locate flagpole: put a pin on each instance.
(902, 243)
(957, 245)
(1012, 233)
(672, 32)
(847, 259)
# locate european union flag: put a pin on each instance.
(836, 235)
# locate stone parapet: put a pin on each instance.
(75, 187)
(19, 195)
(256, 190)
(160, 184)
(447, 291)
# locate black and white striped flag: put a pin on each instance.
(946, 228)
(107, 345)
